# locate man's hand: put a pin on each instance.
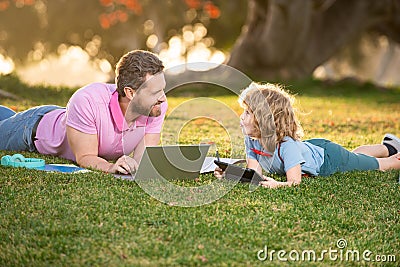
(124, 165)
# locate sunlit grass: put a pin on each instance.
(50, 219)
(347, 121)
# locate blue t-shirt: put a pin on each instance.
(292, 152)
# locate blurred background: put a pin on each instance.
(74, 42)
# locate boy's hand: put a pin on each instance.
(269, 182)
(219, 173)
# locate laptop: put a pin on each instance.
(171, 162)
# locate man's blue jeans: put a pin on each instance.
(16, 128)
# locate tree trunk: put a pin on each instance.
(290, 38)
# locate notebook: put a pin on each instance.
(209, 165)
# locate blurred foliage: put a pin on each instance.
(29, 96)
(118, 25)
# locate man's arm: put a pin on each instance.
(152, 139)
(85, 148)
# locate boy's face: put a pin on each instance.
(247, 123)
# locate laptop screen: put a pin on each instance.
(172, 162)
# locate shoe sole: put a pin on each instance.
(394, 138)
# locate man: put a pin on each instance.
(101, 122)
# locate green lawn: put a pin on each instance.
(50, 219)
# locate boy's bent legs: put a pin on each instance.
(6, 113)
(390, 163)
(377, 151)
(339, 159)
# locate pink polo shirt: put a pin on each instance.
(94, 109)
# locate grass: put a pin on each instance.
(50, 219)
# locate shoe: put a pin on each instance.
(392, 140)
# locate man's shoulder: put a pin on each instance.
(95, 92)
(97, 88)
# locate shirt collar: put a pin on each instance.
(116, 111)
(119, 118)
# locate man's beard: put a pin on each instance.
(153, 111)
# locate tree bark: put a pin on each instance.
(289, 38)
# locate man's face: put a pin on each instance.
(150, 96)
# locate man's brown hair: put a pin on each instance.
(132, 68)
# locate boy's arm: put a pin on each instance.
(293, 176)
(253, 164)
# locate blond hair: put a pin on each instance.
(274, 114)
